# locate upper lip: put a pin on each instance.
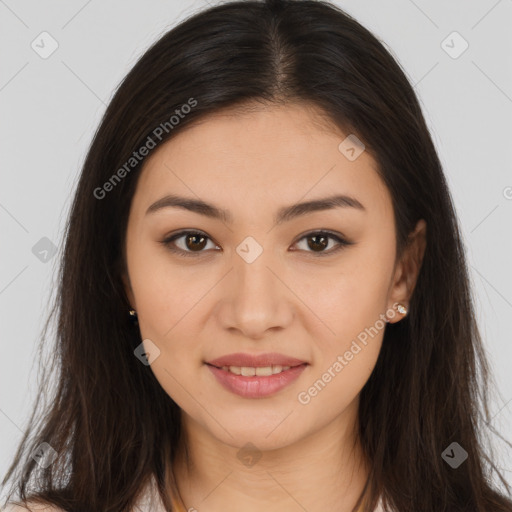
(255, 361)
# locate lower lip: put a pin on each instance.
(256, 387)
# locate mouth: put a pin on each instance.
(256, 371)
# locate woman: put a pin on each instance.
(264, 299)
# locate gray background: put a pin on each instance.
(50, 108)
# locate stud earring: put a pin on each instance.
(133, 316)
(402, 309)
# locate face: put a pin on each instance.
(313, 284)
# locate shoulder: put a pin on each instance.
(31, 506)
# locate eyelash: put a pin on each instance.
(168, 242)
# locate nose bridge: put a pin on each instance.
(258, 300)
(252, 274)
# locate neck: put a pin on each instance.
(325, 470)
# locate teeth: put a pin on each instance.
(262, 371)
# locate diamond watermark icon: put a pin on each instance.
(44, 250)
(351, 147)
(147, 352)
(44, 455)
(454, 455)
(249, 249)
(454, 45)
(249, 454)
(44, 45)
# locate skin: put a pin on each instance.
(294, 302)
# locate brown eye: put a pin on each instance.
(190, 242)
(318, 241)
(195, 242)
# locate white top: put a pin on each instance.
(151, 502)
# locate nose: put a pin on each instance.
(256, 297)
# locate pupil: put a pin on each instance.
(315, 246)
(194, 237)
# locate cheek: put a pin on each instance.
(347, 352)
(350, 298)
(171, 305)
(351, 305)
(161, 292)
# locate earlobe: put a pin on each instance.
(391, 313)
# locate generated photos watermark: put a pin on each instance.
(151, 142)
(304, 397)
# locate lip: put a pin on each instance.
(255, 386)
(255, 361)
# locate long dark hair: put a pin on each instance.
(108, 419)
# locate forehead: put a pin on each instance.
(279, 154)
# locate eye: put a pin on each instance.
(317, 241)
(196, 241)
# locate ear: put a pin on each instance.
(408, 269)
(128, 289)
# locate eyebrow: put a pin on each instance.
(284, 214)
